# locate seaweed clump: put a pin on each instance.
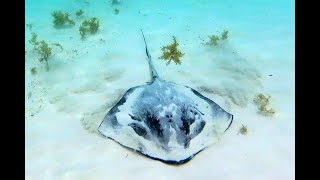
(29, 25)
(116, 11)
(243, 130)
(45, 52)
(33, 71)
(263, 102)
(224, 35)
(215, 40)
(80, 12)
(34, 41)
(115, 2)
(89, 26)
(43, 49)
(60, 19)
(171, 52)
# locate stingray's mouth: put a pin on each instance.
(231, 120)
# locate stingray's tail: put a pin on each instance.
(153, 71)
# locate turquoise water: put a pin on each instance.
(65, 104)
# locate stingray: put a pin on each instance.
(165, 121)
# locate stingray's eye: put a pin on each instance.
(191, 111)
(167, 116)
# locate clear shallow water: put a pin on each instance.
(91, 73)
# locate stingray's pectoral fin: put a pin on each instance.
(187, 142)
(134, 117)
(229, 121)
(199, 127)
(222, 121)
(140, 130)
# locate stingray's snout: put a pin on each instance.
(230, 120)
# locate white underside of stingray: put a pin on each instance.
(165, 121)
